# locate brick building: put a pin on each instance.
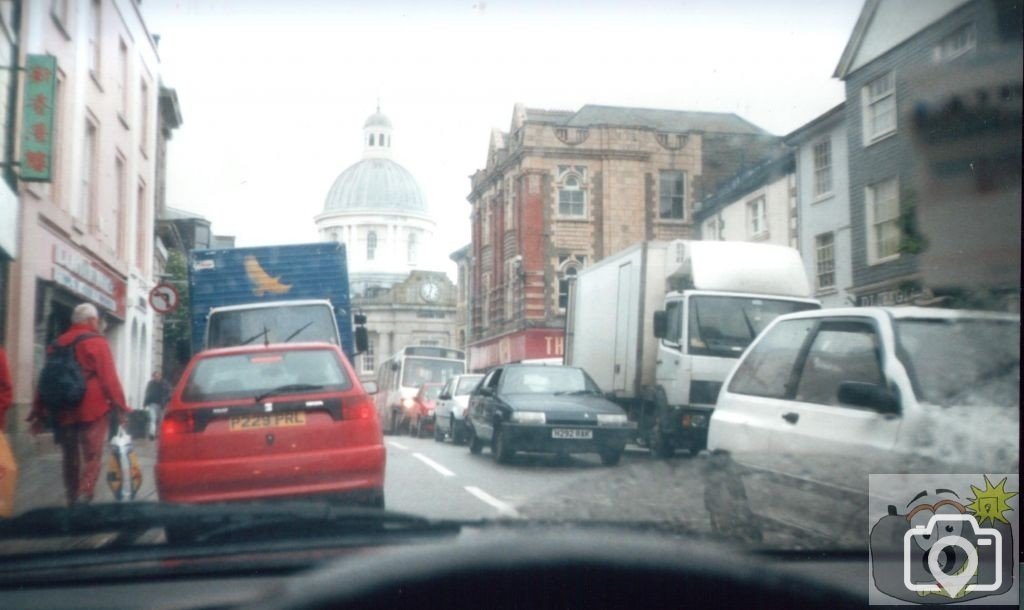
(562, 189)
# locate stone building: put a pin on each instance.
(376, 208)
(562, 189)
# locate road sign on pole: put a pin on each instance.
(164, 298)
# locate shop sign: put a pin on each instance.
(79, 274)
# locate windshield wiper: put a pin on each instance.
(211, 522)
(291, 387)
(302, 328)
(262, 333)
(575, 392)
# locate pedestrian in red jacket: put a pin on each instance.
(82, 432)
(6, 389)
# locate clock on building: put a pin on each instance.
(430, 291)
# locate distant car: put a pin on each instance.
(823, 399)
(420, 414)
(545, 409)
(450, 413)
(275, 421)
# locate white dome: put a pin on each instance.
(375, 185)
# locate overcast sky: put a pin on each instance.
(274, 94)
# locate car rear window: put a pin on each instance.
(249, 375)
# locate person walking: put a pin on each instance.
(81, 432)
(158, 392)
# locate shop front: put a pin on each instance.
(532, 344)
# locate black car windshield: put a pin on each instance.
(248, 375)
(962, 361)
(546, 380)
(418, 371)
(725, 326)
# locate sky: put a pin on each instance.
(274, 94)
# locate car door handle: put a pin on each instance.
(791, 417)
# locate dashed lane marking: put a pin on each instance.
(503, 507)
(429, 462)
(398, 445)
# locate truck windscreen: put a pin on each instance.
(724, 326)
(291, 323)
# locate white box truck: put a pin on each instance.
(660, 325)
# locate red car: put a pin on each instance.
(276, 421)
(420, 414)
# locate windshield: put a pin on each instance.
(467, 384)
(431, 393)
(634, 191)
(546, 380)
(963, 362)
(249, 375)
(272, 325)
(725, 326)
(417, 371)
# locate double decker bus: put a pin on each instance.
(400, 377)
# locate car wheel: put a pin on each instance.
(421, 432)
(475, 444)
(501, 448)
(661, 445)
(414, 431)
(438, 433)
(611, 455)
(458, 435)
(393, 427)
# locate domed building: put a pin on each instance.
(377, 209)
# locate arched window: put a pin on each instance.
(572, 197)
(380, 138)
(371, 139)
(412, 254)
(371, 245)
(568, 267)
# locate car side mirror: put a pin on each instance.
(444, 397)
(660, 324)
(869, 395)
(484, 392)
(370, 387)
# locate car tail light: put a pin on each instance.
(177, 422)
(408, 403)
(360, 409)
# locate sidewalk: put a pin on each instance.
(40, 482)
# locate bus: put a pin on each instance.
(400, 377)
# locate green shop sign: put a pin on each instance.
(37, 118)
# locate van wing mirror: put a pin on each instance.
(661, 324)
(869, 395)
(370, 387)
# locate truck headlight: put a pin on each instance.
(529, 417)
(611, 419)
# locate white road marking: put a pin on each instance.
(433, 464)
(397, 445)
(503, 507)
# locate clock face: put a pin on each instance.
(430, 292)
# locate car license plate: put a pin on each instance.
(267, 420)
(572, 433)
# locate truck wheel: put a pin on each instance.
(660, 444)
(475, 444)
(501, 449)
(611, 456)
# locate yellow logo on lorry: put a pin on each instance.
(262, 283)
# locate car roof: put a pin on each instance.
(273, 347)
(905, 313)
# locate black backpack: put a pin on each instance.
(61, 382)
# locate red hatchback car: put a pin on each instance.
(421, 413)
(276, 421)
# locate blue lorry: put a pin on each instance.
(272, 294)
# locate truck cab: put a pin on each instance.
(701, 334)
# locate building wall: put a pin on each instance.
(824, 214)
(898, 279)
(734, 219)
(105, 255)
